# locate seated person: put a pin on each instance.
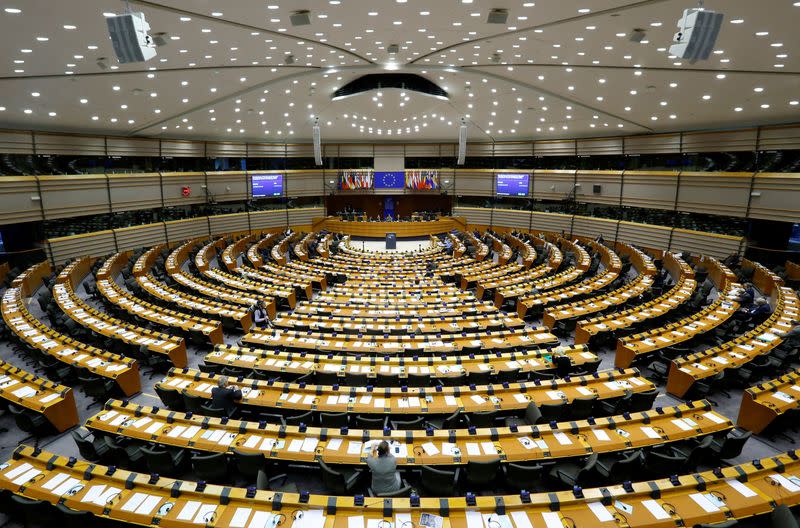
(225, 397)
(747, 295)
(383, 466)
(756, 313)
(791, 337)
(260, 317)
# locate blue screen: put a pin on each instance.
(267, 185)
(390, 180)
(512, 184)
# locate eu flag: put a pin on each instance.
(390, 180)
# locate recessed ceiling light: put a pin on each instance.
(13, 10)
(51, 114)
(28, 111)
(762, 33)
(721, 76)
(706, 97)
(758, 89)
(216, 14)
(794, 103)
(765, 105)
(35, 94)
(737, 21)
(584, 10)
(70, 26)
(424, 13)
(42, 39)
(84, 101)
(738, 109)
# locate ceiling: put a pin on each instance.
(555, 69)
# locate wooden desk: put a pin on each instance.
(121, 298)
(442, 367)
(31, 279)
(173, 266)
(792, 271)
(27, 328)
(383, 344)
(632, 348)
(528, 443)
(746, 490)
(412, 401)
(686, 370)
(103, 324)
(763, 278)
(766, 401)
(379, 229)
(55, 402)
(232, 314)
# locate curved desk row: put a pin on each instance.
(704, 498)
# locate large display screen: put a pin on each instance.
(512, 184)
(267, 185)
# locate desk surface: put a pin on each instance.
(399, 400)
(374, 364)
(379, 229)
(136, 498)
(414, 447)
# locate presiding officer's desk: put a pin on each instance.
(445, 366)
(379, 229)
(766, 401)
(709, 497)
(506, 397)
(523, 443)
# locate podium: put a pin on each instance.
(391, 240)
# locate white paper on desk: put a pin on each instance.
(430, 449)
(782, 396)
(354, 448)
(655, 509)
(683, 425)
(474, 519)
(488, 448)
(176, 431)
(789, 485)
(334, 444)
(554, 394)
(552, 520)
(520, 398)
(562, 438)
(252, 441)
(480, 400)
(190, 431)
(473, 449)
(154, 428)
(295, 445)
(227, 439)
(402, 520)
(450, 400)
(332, 400)
(742, 488)
(66, 486)
(267, 444)
(703, 502)
(714, 417)
(148, 505)
(240, 517)
(55, 481)
(309, 519)
(601, 512)
(601, 435)
(355, 521)
(106, 496)
(24, 392)
(521, 519)
(134, 502)
(380, 403)
(93, 492)
(650, 433)
(309, 444)
(188, 510)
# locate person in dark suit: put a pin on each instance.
(223, 396)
